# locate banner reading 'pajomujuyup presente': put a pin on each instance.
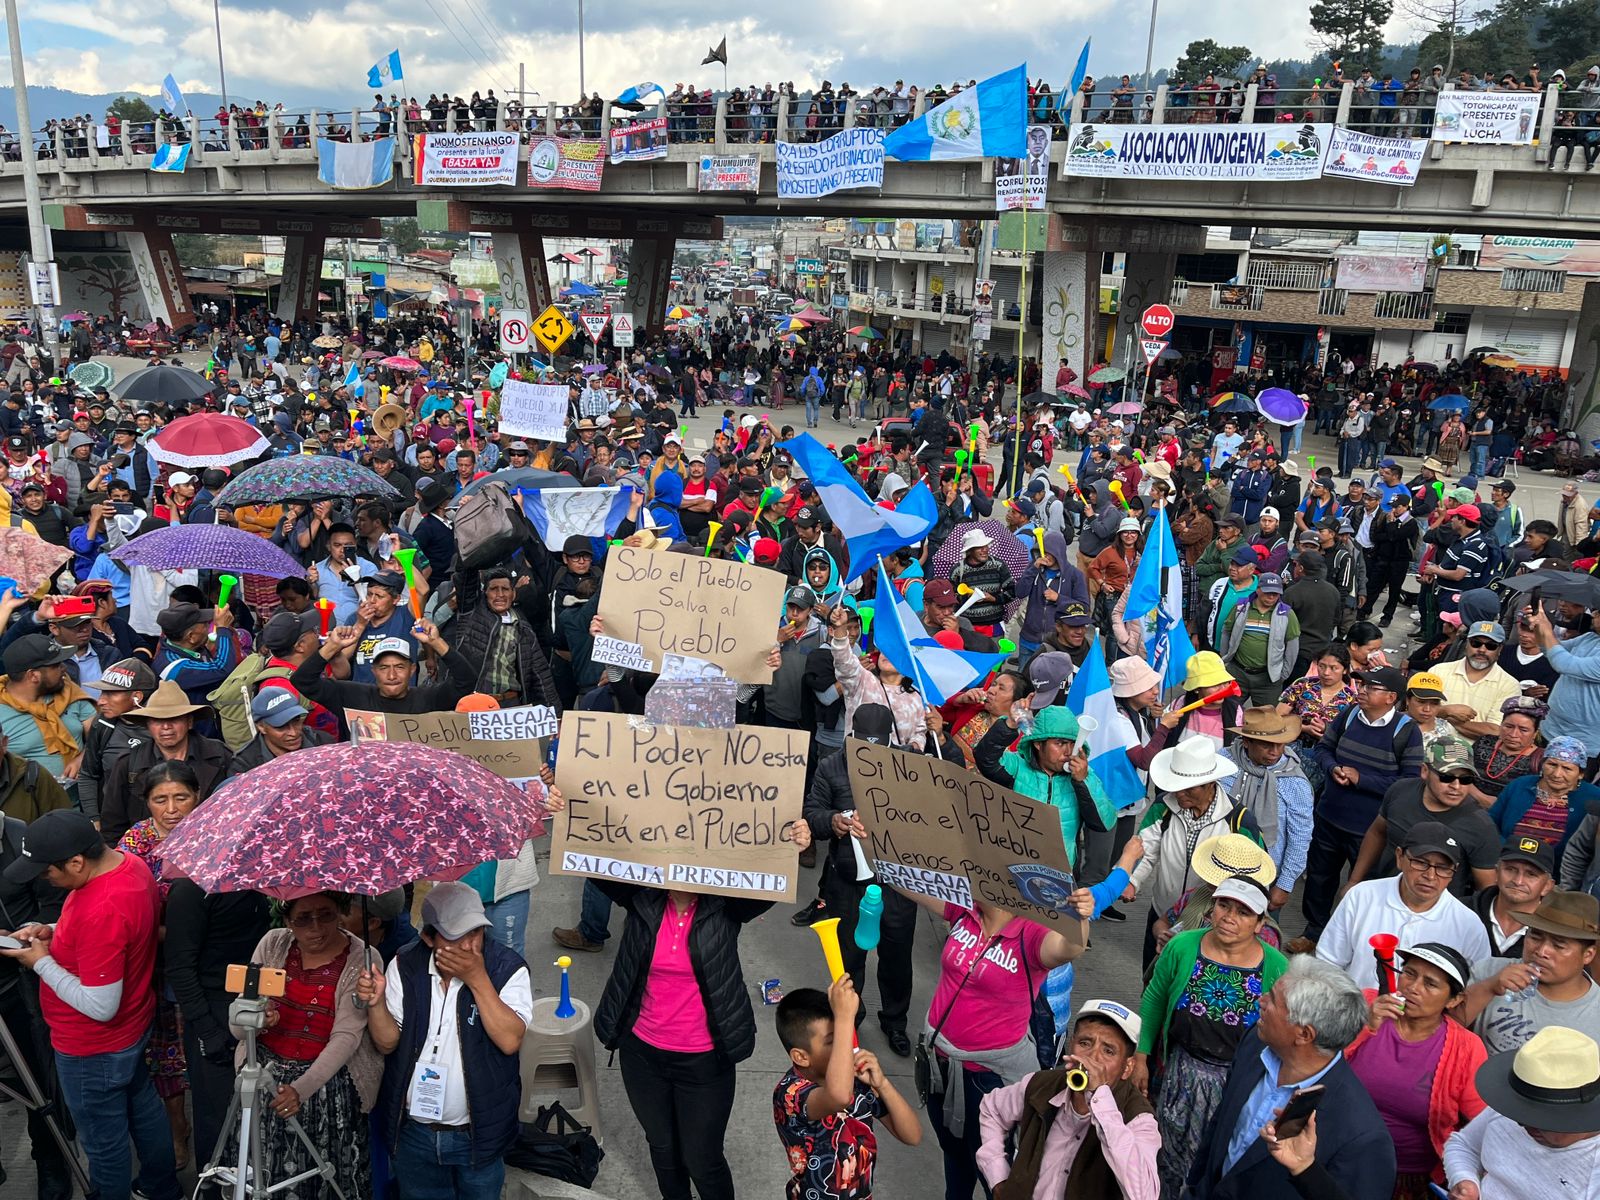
(729, 173)
(1268, 152)
(466, 159)
(1487, 118)
(852, 159)
(1394, 161)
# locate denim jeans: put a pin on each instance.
(509, 921)
(813, 409)
(113, 1102)
(1480, 459)
(594, 920)
(432, 1164)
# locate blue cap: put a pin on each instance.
(1270, 583)
(1389, 464)
(1470, 482)
(1025, 507)
(1245, 556)
(276, 706)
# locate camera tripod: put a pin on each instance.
(253, 1089)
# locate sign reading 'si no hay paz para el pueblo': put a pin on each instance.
(699, 810)
(938, 830)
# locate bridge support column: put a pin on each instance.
(1146, 280)
(649, 281)
(1071, 300)
(519, 262)
(155, 262)
(1584, 373)
(302, 278)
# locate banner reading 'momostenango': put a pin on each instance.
(1275, 152)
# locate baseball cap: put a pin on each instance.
(1308, 537)
(1120, 1015)
(276, 706)
(392, 645)
(54, 837)
(800, 595)
(1232, 519)
(807, 516)
(1487, 629)
(1384, 677)
(128, 675)
(1450, 756)
(1269, 511)
(178, 478)
(577, 544)
(1049, 673)
(939, 591)
(33, 485)
(454, 909)
(1270, 584)
(286, 628)
(1427, 685)
(180, 618)
(1521, 848)
(1433, 837)
(1245, 556)
(1242, 891)
(1024, 506)
(1503, 485)
(1076, 613)
(1468, 512)
(392, 580)
(33, 651)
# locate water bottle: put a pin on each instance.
(1532, 990)
(1024, 723)
(868, 917)
(550, 754)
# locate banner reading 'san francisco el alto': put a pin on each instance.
(1250, 152)
(466, 159)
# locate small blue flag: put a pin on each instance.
(172, 97)
(385, 72)
(1079, 74)
(639, 94)
(354, 382)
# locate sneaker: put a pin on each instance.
(1113, 914)
(816, 911)
(573, 940)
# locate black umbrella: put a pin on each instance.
(654, 370)
(1575, 586)
(164, 385)
(1236, 403)
(1034, 399)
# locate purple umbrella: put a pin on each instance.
(1124, 408)
(1281, 406)
(595, 368)
(1005, 546)
(207, 548)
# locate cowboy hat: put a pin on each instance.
(1434, 465)
(1565, 914)
(167, 703)
(1229, 855)
(1189, 764)
(1265, 725)
(387, 419)
(1552, 1081)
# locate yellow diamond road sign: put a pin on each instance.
(552, 328)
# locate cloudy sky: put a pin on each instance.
(301, 51)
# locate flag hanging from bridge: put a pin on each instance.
(171, 157)
(172, 97)
(386, 71)
(986, 121)
(351, 166)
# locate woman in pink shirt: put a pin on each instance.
(677, 1009)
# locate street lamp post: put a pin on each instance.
(222, 74)
(1150, 45)
(38, 236)
(582, 91)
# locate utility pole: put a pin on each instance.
(39, 253)
(1150, 45)
(582, 91)
(222, 74)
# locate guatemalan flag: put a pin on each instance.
(170, 157)
(351, 166)
(172, 97)
(353, 380)
(987, 121)
(1156, 597)
(560, 513)
(869, 531)
(385, 72)
(939, 672)
(1090, 696)
(639, 94)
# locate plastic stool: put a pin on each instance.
(558, 1057)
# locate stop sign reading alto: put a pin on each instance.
(1157, 321)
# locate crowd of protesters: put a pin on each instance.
(1298, 792)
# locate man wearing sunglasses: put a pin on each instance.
(1416, 905)
(1476, 685)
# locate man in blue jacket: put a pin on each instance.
(1250, 488)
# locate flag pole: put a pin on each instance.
(1022, 326)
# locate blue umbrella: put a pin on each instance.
(1455, 400)
(582, 289)
(1237, 402)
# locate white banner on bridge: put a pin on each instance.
(852, 159)
(1395, 161)
(1487, 118)
(467, 159)
(1267, 152)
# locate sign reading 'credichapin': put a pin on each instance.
(1278, 152)
(852, 159)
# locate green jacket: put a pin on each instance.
(27, 791)
(1170, 976)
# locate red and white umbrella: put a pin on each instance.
(208, 440)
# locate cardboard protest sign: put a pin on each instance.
(656, 603)
(939, 830)
(700, 810)
(508, 741)
(534, 410)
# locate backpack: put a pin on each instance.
(231, 698)
(489, 527)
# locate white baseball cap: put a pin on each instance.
(1120, 1015)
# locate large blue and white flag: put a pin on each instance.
(1156, 597)
(172, 97)
(351, 166)
(938, 672)
(870, 532)
(353, 380)
(170, 157)
(987, 121)
(1107, 749)
(385, 72)
(560, 513)
(640, 93)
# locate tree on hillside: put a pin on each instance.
(1207, 57)
(404, 232)
(1447, 21)
(131, 108)
(1351, 30)
(1570, 34)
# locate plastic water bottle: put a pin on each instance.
(1024, 723)
(1532, 990)
(868, 917)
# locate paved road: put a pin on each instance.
(772, 948)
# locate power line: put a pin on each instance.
(471, 51)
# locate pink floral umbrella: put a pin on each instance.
(399, 362)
